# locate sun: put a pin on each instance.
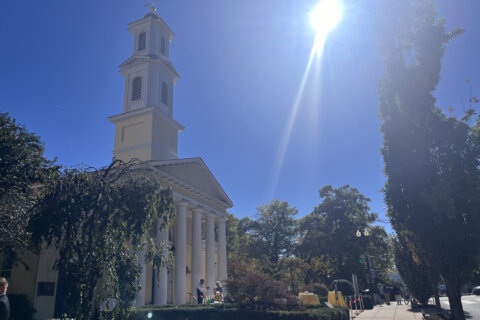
(325, 16)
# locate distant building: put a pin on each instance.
(147, 131)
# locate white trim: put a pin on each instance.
(122, 116)
(152, 18)
(141, 59)
(192, 203)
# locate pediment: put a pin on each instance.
(193, 173)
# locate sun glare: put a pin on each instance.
(325, 16)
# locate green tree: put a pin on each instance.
(414, 274)
(99, 221)
(273, 235)
(431, 160)
(22, 167)
(237, 237)
(328, 241)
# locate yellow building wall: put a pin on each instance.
(158, 138)
(134, 131)
(143, 154)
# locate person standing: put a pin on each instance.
(219, 287)
(218, 291)
(4, 303)
(200, 291)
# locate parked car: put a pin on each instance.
(476, 290)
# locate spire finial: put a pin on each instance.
(152, 6)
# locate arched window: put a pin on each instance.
(163, 47)
(142, 41)
(137, 88)
(164, 93)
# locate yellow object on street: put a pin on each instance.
(308, 298)
(336, 302)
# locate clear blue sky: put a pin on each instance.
(241, 64)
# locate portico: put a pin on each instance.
(197, 237)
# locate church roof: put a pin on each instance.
(193, 175)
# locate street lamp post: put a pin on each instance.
(370, 267)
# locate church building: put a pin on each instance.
(146, 130)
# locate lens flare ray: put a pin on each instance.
(324, 17)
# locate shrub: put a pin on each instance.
(20, 307)
(254, 290)
(319, 289)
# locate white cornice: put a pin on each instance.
(150, 109)
(140, 59)
(195, 205)
(152, 17)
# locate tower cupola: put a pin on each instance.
(146, 129)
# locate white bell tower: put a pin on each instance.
(146, 129)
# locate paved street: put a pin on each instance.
(471, 306)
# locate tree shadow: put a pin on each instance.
(430, 310)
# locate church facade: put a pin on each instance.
(146, 131)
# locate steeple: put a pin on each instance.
(146, 129)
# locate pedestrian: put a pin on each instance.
(201, 291)
(218, 291)
(4, 303)
(219, 287)
(396, 293)
(387, 295)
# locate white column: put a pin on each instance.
(222, 250)
(196, 249)
(160, 294)
(140, 298)
(180, 254)
(210, 254)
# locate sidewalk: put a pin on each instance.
(391, 312)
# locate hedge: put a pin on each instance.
(228, 312)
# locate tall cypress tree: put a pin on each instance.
(431, 160)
